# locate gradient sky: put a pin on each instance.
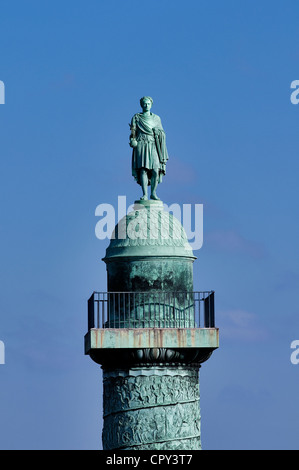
(220, 74)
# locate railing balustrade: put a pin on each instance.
(151, 309)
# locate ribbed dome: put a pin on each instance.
(149, 230)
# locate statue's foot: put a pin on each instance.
(143, 198)
(155, 197)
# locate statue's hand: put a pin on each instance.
(133, 143)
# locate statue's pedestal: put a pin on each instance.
(150, 343)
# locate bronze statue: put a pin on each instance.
(149, 148)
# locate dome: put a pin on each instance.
(149, 230)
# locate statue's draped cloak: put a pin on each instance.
(146, 155)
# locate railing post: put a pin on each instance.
(90, 310)
(103, 310)
(212, 310)
(209, 311)
(206, 311)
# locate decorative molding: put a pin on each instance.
(150, 356)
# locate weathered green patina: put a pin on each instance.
(152, 255)
(149, 148)
(151, 375)
(152, 409)
(138, 338)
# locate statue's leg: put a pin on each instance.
(143, 182)
(154, 184)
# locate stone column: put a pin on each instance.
(150, 347)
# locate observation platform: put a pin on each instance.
(151, 327)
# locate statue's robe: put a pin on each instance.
(151, 152)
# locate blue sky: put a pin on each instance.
(220, 74)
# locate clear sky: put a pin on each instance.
(220, 74)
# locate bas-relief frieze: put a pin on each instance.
(149, 412)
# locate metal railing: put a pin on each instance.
(151, 310)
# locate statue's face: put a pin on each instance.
(146, 105)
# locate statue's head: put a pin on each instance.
(146, 102)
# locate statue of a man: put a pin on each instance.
(149, 148)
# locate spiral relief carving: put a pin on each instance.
(152, 412)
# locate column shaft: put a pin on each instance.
(151, 408)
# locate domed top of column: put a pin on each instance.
(149, 231)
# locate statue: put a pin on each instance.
(149, 149)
